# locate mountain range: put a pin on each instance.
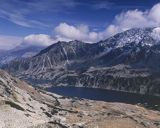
(128, 61)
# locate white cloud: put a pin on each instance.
(19, 11)
(154, 14)
(68, 32)
(19, 19)
(63, 32)
(134, 19)
(38, 40)
(123, 21)
(9, 42)
(156, 33)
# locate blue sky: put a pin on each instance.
(39, 21)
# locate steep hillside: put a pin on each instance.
(22, 106)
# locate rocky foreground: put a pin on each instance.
(22, 106)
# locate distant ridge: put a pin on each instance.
(19, 53)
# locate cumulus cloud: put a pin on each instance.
(68, 32)
(156, 33)
(9, 42)
(38, 40)
(154, 14)
(123, 21)
(135, 19)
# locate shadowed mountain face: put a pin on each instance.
(128, 61)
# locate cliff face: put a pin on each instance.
(23, 106)
(128, 61)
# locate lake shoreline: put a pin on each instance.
(145, 100)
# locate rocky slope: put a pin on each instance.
(22, 106)
(128, 61)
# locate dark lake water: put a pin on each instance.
(108, 96)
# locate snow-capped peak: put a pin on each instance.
(143, 36)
